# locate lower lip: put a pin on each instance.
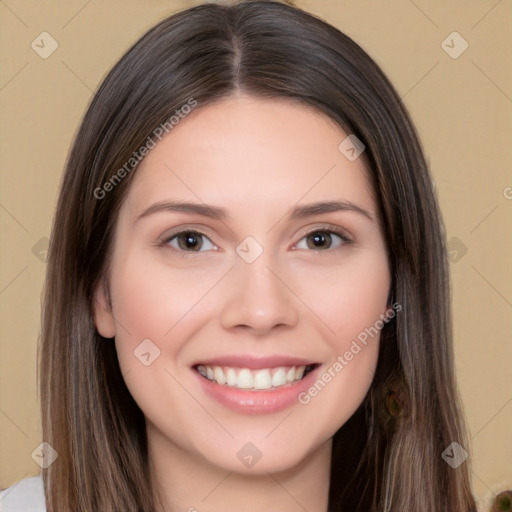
(257, 402)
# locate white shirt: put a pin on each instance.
(25, 496)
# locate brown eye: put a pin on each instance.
(190, 241)
(321, 240)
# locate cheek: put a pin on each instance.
(349, 297)
(348, 302)
(151, 299)
(339, 390)
(152, 304)
(158, 309)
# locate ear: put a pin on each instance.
(102, 310)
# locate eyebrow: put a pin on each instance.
(219, 213)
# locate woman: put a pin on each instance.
(247, 300)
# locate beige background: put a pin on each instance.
(462, 108)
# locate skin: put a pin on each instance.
(257, 158)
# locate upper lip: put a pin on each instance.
(254, 362)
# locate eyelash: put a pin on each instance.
(185, 254)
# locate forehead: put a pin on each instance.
(251, 153)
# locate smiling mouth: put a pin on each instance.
(254, 380)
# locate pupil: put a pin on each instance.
(320, 239)
(190, 241)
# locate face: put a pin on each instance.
(248, 267)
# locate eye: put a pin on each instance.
(322, 239)
(190, 241)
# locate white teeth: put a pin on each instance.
(244, 378)
(231, 377)
(262, 380)
(279, 378)
(218, 375)
(299, 372)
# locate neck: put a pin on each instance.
(186, 482)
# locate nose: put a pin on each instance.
(258, 299)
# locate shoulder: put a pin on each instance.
(25, 496)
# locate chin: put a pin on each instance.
(263, 456)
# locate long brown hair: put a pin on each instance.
(384, 458)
